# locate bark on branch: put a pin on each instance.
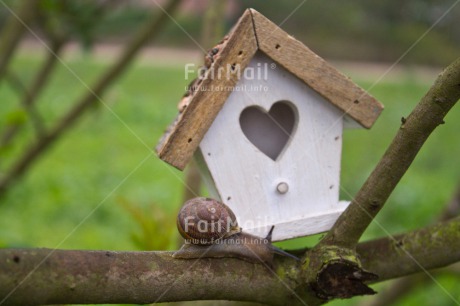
(44, 276)
(428, 248)
(414, 131)
(403, 286)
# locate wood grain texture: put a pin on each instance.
(178, 146)
(316, 72)
(254, 32)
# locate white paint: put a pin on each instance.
(246, 179)
(290, 229)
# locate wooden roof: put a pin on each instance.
(253, 33)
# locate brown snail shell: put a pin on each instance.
(203, 221)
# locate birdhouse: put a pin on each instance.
(264, 121)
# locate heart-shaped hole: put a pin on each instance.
(269, 132)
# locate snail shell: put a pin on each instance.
(211, 231)
(203, 221)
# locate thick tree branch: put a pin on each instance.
(428, 248)
(426, 116)
(44, 276)
(31, 154)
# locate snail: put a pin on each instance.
(211, 230)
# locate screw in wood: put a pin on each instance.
(282, 188)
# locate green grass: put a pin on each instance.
(72, 197)
(96, 164)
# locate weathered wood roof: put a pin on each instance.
(253, 33)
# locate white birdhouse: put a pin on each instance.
(267, 130)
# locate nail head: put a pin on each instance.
(282, 188)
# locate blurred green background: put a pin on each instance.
(101, 187)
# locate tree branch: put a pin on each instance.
(13, 30)
(414, 130)
(44, 276)
(453, 208)
(428, 248)
(403, 286)
(213, 23)
(31, 154)
(31, 95)
(192, 182)
(32, 112)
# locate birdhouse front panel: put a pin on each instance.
(273, 153)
